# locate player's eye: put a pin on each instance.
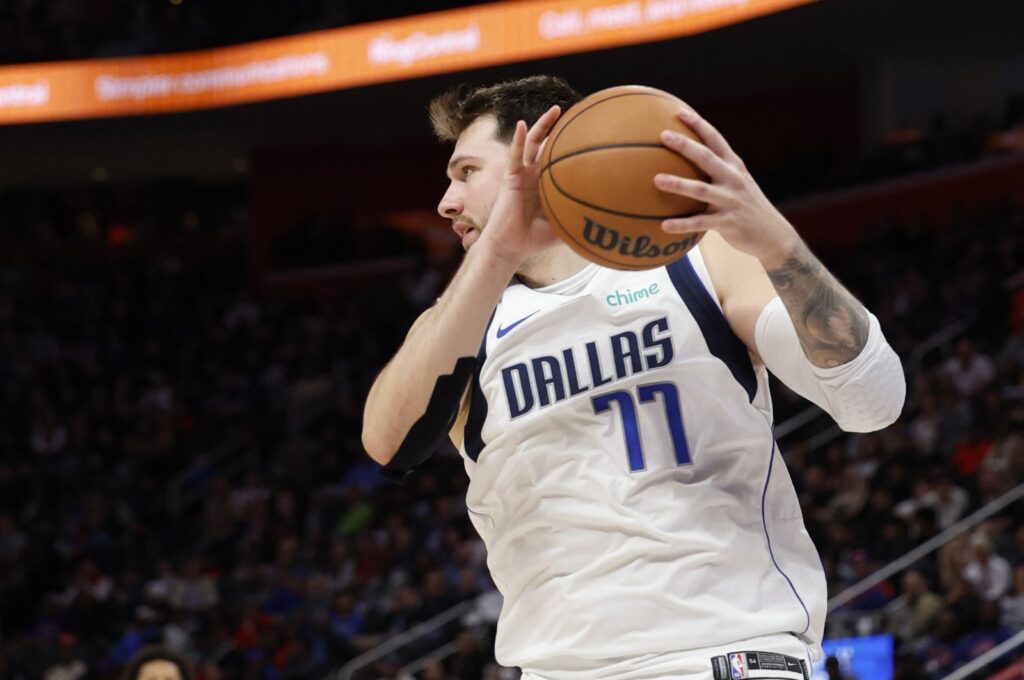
(467, 170)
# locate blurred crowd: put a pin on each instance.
(181, 462)
(869, 499)
(942, 142)
(136, 359)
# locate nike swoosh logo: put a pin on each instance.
(502, 332)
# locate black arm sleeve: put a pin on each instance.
(430, 431)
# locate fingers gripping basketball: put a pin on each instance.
(597, 182)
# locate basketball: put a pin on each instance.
(597, 179)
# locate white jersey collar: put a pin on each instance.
(570, 286)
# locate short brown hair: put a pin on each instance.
(511, 101)
(155, 653)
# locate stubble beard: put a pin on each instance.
(529, 267)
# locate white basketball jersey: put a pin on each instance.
(625, 479)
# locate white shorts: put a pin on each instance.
(774, 657)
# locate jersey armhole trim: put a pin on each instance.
(721, 341)
(701, 268)
(472, 438)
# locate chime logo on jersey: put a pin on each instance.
(549, 379)
(738, 664)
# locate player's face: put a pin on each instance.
(475, 169)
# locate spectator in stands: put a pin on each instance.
(1005, 460)
(971, 452)
(850, 497)
(949, 500)
(69, 664)
(989, 573)
(1015, 548)
(834, 671)
(969, 369)
(988, 632)
(195, 590)
(924, 428)
(434, 670)
(878, 595)
(943, 653)
(469, 660)
(915, 611)
(1012, 604)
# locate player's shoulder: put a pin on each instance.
(712, 247)
(728, 267)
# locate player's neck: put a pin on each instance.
(550, 267)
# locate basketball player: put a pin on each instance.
(617, 426)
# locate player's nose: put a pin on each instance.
(451, 203)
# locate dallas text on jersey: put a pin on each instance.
(549, 379)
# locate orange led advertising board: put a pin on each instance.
(454, 40)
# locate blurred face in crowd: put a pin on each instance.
(475, 170)
(159, 670)
(914, 584)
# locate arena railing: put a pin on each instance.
(994, 654)
(409, 671)
(189, 485)
(223, 461)
(349, 670)
(942, 340)
(899, 564)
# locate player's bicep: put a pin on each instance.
(420, 321)
(742, 284)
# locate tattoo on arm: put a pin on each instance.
(831, 324)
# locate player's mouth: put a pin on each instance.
(469, 237)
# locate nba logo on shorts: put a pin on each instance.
(738, 664)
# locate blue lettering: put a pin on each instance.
(621, 353)
(664, 344)
(552, 377)
(571, 375)
(549, 379)
(595, 366)
(516, 407)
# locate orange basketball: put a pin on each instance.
(597, 182)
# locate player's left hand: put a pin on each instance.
(737, 208)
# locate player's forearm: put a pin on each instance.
(831, 324)
(452, 329)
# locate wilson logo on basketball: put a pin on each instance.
(608, 238)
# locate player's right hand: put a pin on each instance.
(517, 227)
